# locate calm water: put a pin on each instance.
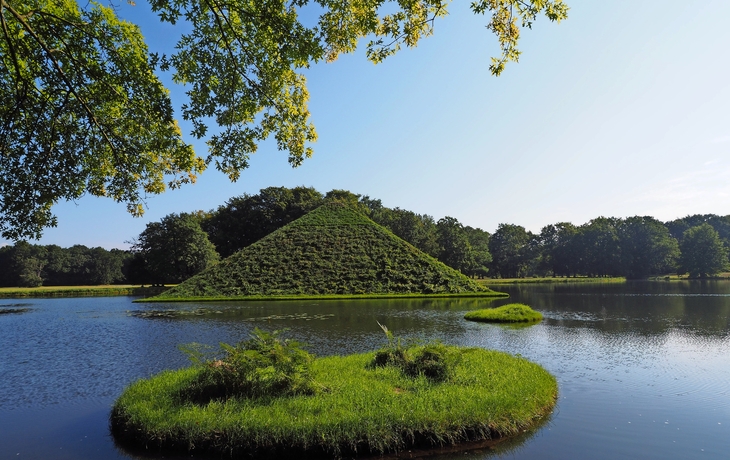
(643, 368)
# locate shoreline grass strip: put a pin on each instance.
(79, 291)
(159, 299)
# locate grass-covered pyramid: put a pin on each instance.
(333, 250)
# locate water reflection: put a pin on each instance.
(702, 307)
(644, 368)
(331, 327)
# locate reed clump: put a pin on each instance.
(262, 366)
(430, 360)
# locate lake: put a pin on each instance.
(643, 367)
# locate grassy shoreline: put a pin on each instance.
(363, 410)
(79, 291)
(488, 294)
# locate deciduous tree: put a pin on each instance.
(557, 244)
(418, 229)
(83, 111)
(510, 248)
(248, 218)
(479, 241)
(597, 247)
(175, 248)
(703, 253)
(455, 249)
(646, 247)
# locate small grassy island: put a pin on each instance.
(266, 397)
(510, 313)
(334, 251)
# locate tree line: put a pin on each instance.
(635, 247)
(181, 245)
(32, 265)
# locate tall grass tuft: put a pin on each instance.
(262, 366)
(428, 360)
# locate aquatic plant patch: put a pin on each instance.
(182, 313)
(354, 408)
(510, 313)
(4, 310)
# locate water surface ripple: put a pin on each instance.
(643, 368)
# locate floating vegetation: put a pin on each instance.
(172, 313)
(363, 410)
(301, 316)
(4, 310)
(8, 308)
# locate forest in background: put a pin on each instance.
(181, 245)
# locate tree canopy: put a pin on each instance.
(182, 244)
(82, 110)
(31, 265)
(175, 248)
(245, 219)
(510, 249)
(703, 253)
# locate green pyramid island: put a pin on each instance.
(333, 251)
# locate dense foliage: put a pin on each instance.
(245, 219)
(635, 247)
(174, 249)
(262, 366)
(429, 361)
(31, 265)
(703, 252)
(82, 109)
(334, 249)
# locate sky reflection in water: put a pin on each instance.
(644, 368)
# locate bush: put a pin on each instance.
(29, 279)
(263, 366)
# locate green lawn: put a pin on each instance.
(360, 409)
(77, 291)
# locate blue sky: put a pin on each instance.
(622, 110)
